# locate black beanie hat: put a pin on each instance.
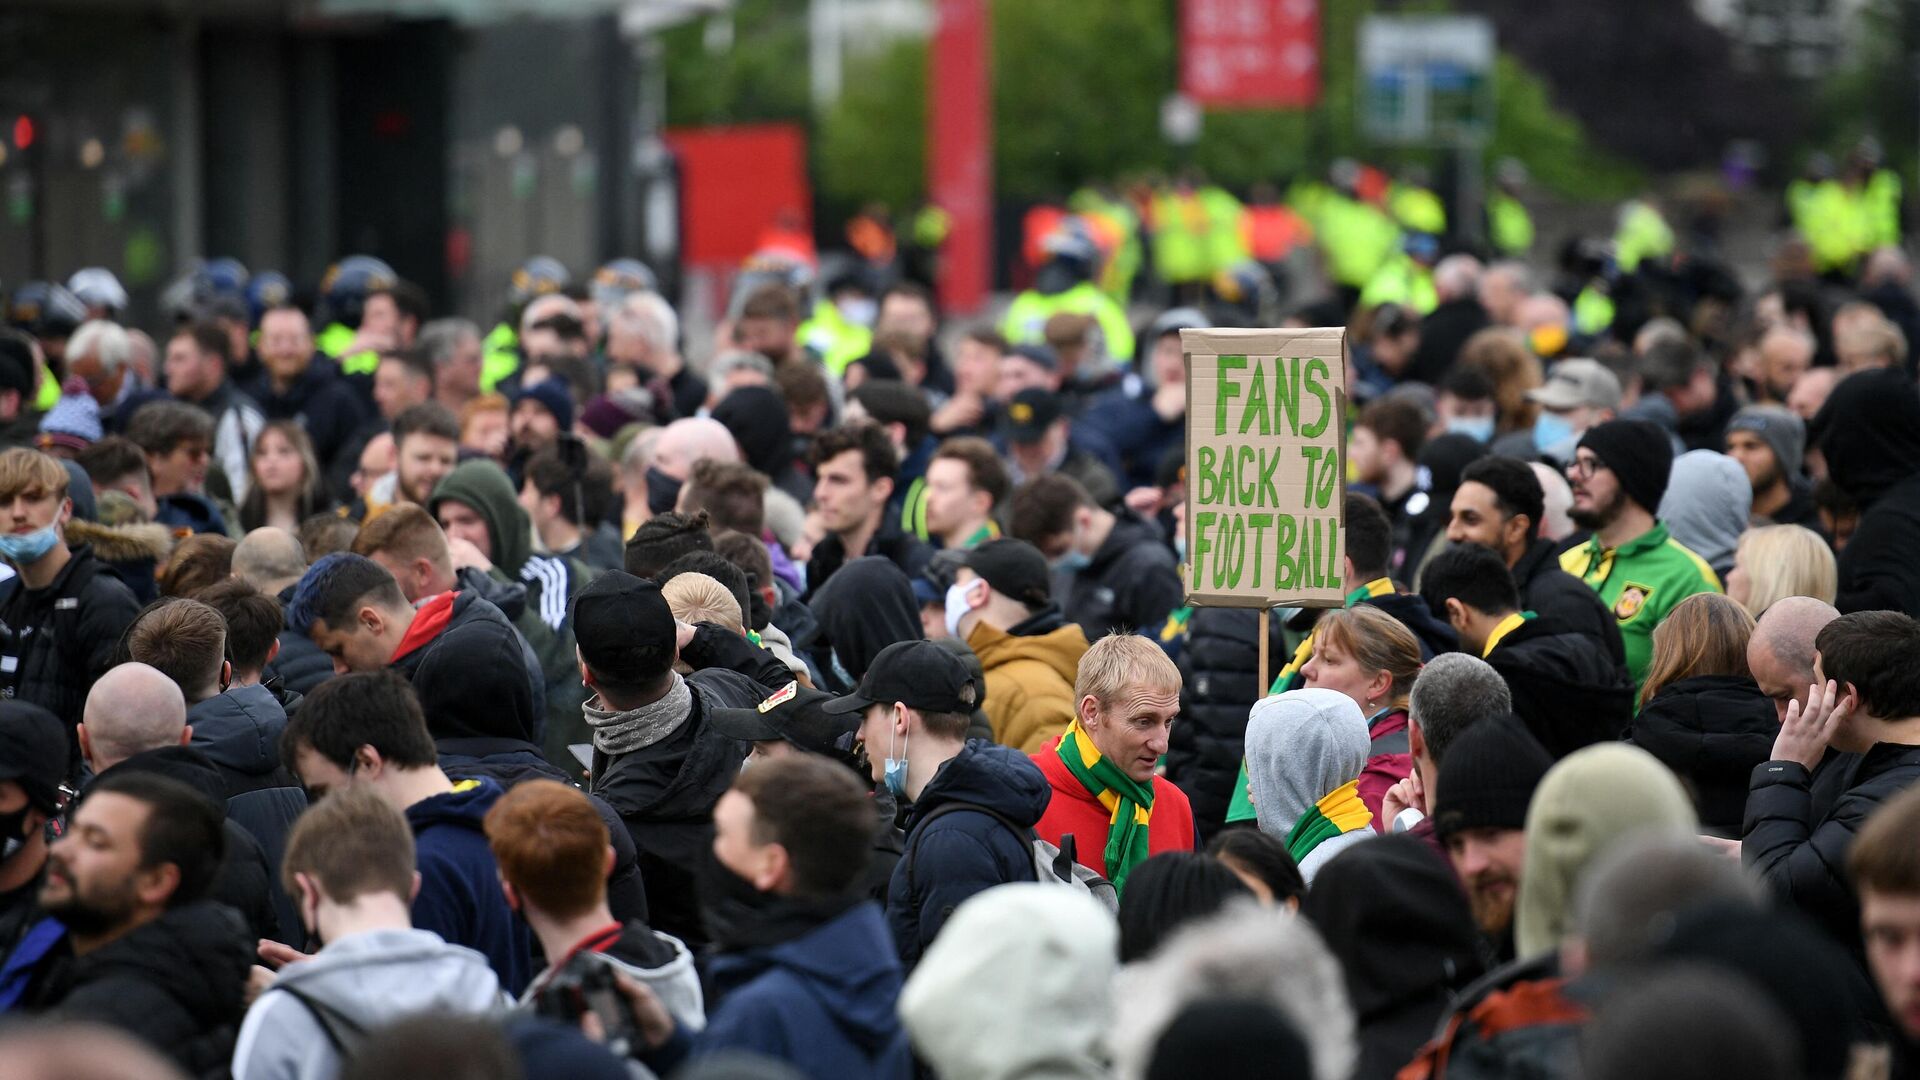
(1230, 1038)
(1488, 777)
(1639, 452)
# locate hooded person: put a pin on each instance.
(1049, 952)
(1869, 431)
(864, 608)
(1442, 460)
(1706, 506)
(476, 502)
(1585, 803)
(1393, 915)
(1305, 750)
(760, 423)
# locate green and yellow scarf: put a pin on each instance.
(1129, 802)
(1339, 811)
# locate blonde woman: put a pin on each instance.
(1701, 712)
(1779, 561)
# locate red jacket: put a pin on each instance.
(1074, 809)
(1386, 769)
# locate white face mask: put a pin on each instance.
(958, 604)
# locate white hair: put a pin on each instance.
(541, 308)
(648, 316)
(1246, 951)
(104, 341)
(441, 338)
(734, 360)
(1456, 276)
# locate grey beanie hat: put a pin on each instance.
(1780, 429)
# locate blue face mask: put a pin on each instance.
(1180, 549)
(1477, 428)
(1072, 562)
(1550, 430)
(23, 548)
(895, 774)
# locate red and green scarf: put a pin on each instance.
(1129, 803)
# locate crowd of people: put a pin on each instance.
(387, 695)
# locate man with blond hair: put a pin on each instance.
(1105, 792)
(65, 614)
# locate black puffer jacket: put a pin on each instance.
(471, 677)
(1711, 730)
(1798, 846)
(1132, 584)
(178, 983)
(65, 635)
(1554, 594)
(1564, 686)
(1220, 681)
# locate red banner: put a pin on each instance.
(1250, 53)
(736, 184)
(959, 150)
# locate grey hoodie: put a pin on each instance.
(1301, 745)
(1706, 506)
(372, 979)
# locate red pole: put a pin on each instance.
(960, 150)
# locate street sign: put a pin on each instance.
(1427, 80)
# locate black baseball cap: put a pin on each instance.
(1014, 568)
(33, 752)
(919, 674)
(625, 628)
(792, 713)
(1031, 412)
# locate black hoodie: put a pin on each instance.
(1869, 431)
(178, 983)
(1395, 917)
(471, 677)
(1569, 692)
(864, 608)
(759, 422)
(1131, 584)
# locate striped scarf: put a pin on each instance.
(1129, 803)
(1338, 811)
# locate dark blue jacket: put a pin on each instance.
(322, 401)
(239, 732)
(823, 1002)
(460, 897)
(194, 513)
(963, 852)
(1125, 418)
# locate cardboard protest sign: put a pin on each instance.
(1266, 467)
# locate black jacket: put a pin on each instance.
(1219, 682)
(64, 636)
(300, 665)
(471, 678)
(238, 732)
(1711, 730)
(866, 607)
(665, 793)
(1393, 914)
(1554, 594)
(1435, 635)
(964, 852)
(1797, 842)
(178, 983)
(1132, 584)
(1568, 692)
(324, 404)
(1877, 567)
(247, 882)
(1442, 333)
(909, 553)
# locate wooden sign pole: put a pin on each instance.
(1266, 617)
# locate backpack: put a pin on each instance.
(1053, 865)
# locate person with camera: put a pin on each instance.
(805, 971)
(553, 852)
(350, 864)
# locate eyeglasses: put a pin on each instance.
(1585, 466)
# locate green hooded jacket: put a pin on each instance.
(552, 582)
